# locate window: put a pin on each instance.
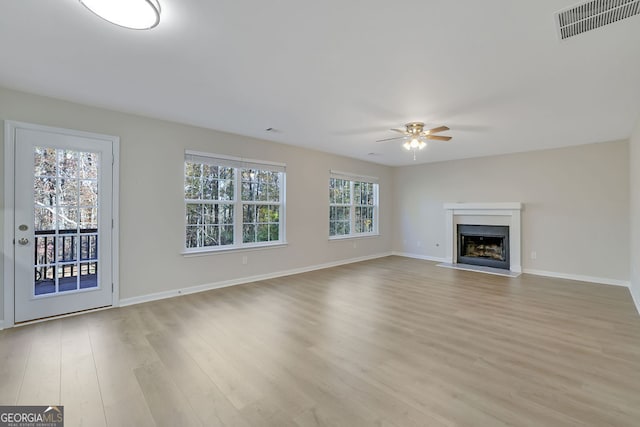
(260, 205)
(353, 205)
(232, 203)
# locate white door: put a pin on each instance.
(63, 222)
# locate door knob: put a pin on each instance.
(23, 241)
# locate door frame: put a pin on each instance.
(10, 127)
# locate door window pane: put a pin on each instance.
(66, 210)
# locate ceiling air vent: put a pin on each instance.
(594, 14)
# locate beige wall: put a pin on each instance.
(634, 164)
(564, 191)
(151, 197)
(576, 205)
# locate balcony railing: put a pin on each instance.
(68, 255)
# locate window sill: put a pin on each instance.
(247, 248)
(354, 236)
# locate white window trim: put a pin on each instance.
(239, 163)
(352, 212)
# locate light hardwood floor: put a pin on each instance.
(389, 342)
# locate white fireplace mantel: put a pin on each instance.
(485, 214)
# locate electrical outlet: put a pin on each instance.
(355, 245)
(534, 255)
(244, 260)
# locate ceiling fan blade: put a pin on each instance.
(438, 137)
(391, 139)
(401, 131)
(436, 130)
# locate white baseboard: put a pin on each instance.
(239, 281)
(417, 256)
(577, 277)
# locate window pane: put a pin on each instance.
(263, 213)
(262, 233)
(194, 214)
(88, 247)
(192, 236)
(343, 213)
(67, 163)
(45, 161)
(226, 214)
(210, 171)
(247, 174)
(248, 191)
(45, 218)
(68, 218)
(88, 165)
(66, 248)
(193, 169)
(358, 219)
(248, 213)
(209, 188)
(262, 192)
(44, 191)
(274, 187)
(88, 218)
(192, 187)
(68, 194)
(225, 189)
(209, 214)
(248, 233)
(274, 232)
(211, 237)
(225, 173)
(274, 214)
(357, 193)
(226, 235)
(88, 193)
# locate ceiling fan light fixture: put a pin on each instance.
(133, 14)
(415, 135)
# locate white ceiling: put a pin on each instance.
(336, 75)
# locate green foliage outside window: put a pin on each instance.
(215, 209)
(352, 207)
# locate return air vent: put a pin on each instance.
(594, 14)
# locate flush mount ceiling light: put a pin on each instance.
(134, 14)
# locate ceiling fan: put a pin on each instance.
(415, 135)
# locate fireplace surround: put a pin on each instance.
(501, 214)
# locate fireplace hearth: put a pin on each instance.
(486, 245)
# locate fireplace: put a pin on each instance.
(486, 245)
(506, 214)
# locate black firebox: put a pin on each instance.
(486, 245)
